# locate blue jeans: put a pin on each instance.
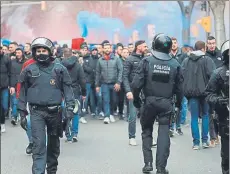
(132, 120)
(74, 127)
(109, 97)
(4, 104)
(5, 99)
(195, 105)
(28, 132)
(90, 96)
(177, 121)
(184, 110)
(95, 99)
(14, 102)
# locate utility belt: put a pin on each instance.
(49, 108)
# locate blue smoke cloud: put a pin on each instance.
(87, 20)
(166, 16)
(5, 42)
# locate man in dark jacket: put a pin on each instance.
(197, 69)
(4, 84)
(12, 48)
(213, 52)
(108, 77)
(95, 97)
(218, 95)
(130, 67)
(27, 51)
(121, 93)
(89, 79)
(78, 85)
(16, 67)
(177, 54)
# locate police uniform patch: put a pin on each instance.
(161, 73)
(52, 82)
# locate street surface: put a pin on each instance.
(104, 149)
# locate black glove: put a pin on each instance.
(23, 120)
(223, 101)
(137, 102)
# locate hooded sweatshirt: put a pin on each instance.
(197, 69)
(16, 67)
(77, 76)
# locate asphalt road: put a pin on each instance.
(104, 149)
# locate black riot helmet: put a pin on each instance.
(42, 42)
(162, 43)
(225, 51)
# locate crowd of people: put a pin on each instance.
(101, 80)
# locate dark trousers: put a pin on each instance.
(152, 108)
(2, 115)
(223, 119)
(225, 155)
(42, 156)
(4, 92)
(120, 100)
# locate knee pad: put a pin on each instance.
(163, 120)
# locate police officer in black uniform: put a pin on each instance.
(218, 95)
(160, 77)
(43, 85)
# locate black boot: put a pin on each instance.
(147, 168)
(29, 149)
(121, 116)
(162, 171)
(225, 171)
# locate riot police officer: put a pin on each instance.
(218, 94)
(43, 85)
(159, 77)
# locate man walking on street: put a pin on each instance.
(109, 78)
(43, 85)
(130, 67)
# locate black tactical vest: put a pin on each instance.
(161, 77)
(44, 85)
(224, 74)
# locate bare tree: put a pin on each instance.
(186, 20)
(217, 8)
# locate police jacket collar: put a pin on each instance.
(160, 55)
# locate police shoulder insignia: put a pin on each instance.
(52, 81)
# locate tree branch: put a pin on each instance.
(181, 4)
(191, 5)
